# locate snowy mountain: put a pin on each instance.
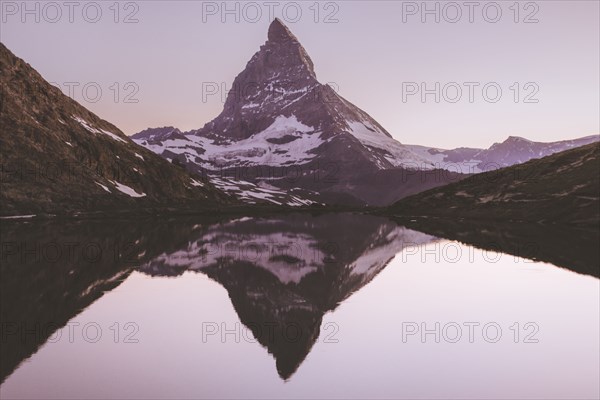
(281, 130)
(60, 158)
(514, 150)
(278, 116)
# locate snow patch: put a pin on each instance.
(196, 183)
(103, 187)
(19, 216)
(127, 190)
(91, 129)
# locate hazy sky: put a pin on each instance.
(375, 53)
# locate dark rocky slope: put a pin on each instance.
(57, 157)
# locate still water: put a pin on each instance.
(297, 306)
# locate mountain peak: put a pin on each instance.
(516, 139)
(278, 32)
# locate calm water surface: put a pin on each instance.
(324, 306)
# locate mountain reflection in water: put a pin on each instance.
(281, 272)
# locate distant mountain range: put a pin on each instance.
(60, 158)
(281, 129)
(514, 150)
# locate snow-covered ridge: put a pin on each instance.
(397, 154)
(286, 141)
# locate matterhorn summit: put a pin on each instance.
(279, 116)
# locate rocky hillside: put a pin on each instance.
(561, 188)
(59, 158)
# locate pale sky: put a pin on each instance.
(370, 54)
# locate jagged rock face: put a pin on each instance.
(280, 80)
(60, 158)
(279, 73)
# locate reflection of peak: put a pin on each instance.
(283, 274)
(283, 321)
